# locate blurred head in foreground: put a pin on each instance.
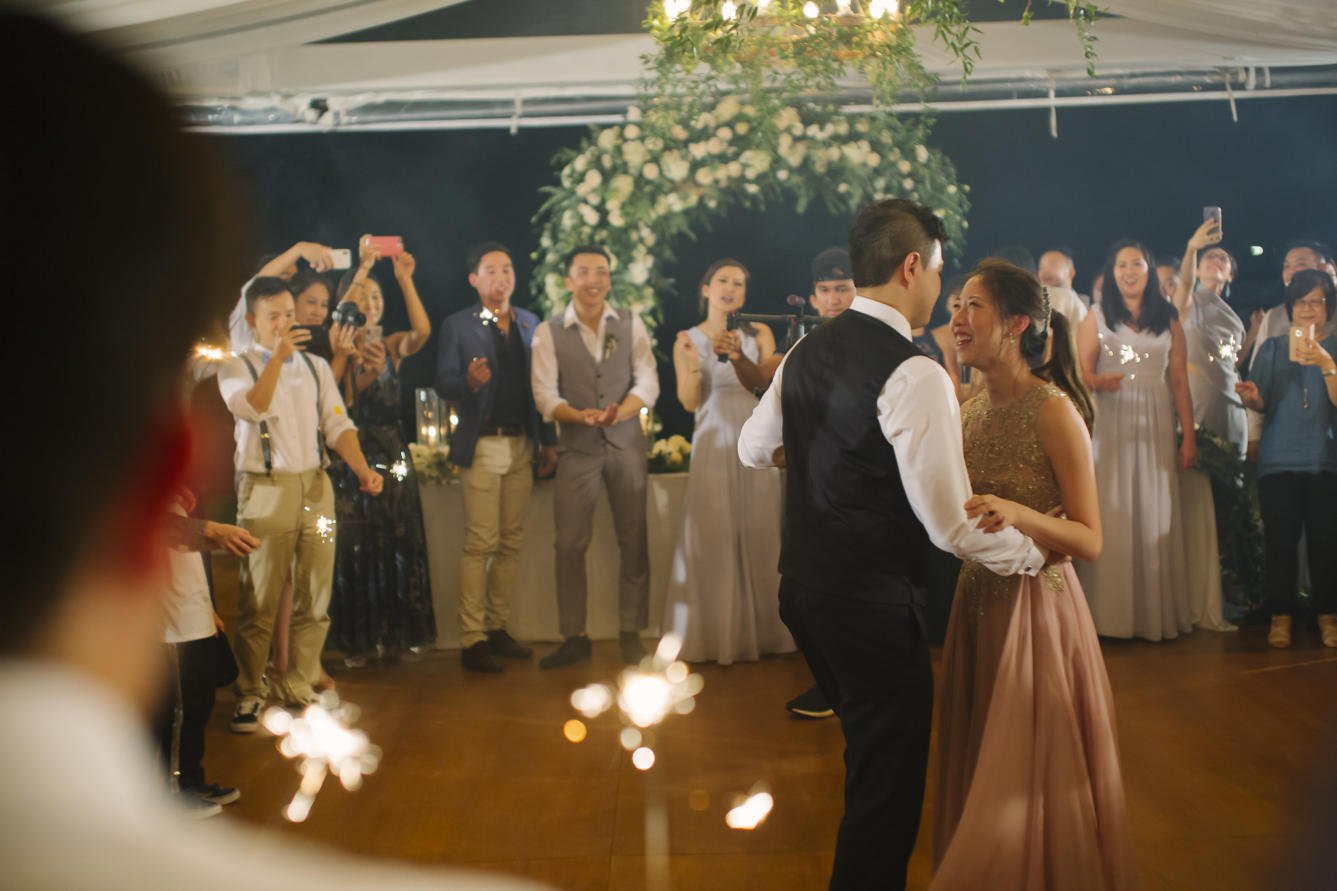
(122, 237)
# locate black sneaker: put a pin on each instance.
(505, 645)
(810, 704)
(574, 649)
(196, 806)
(246, 719)
(633, 651)
(480, 657)
(218, 794)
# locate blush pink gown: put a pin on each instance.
(1029, 793)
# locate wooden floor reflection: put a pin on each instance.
(1219, 735)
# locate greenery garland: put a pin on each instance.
(674, 168)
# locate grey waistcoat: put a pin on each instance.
(583, 383)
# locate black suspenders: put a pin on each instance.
(266, 449)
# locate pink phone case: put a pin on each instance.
(389, 245)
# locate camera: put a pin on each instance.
(347, 313)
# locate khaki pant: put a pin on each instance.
(496, 491)
(285, 511)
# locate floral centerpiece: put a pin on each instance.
(671, 455)
(432, 463)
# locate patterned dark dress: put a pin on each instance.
(382, 598)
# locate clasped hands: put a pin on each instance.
(594, 417)
(996, 514)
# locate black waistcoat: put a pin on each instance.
(849, 528)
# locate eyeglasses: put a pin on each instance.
(1310, 304)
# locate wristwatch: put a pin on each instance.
(1330, 373)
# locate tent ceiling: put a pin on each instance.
(261, 62)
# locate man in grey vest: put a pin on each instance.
(593, 371)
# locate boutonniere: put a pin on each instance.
(487, 317)
(610, 344)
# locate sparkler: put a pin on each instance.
(322, 741)
(210, 353)
(751, 811)
(324, 526)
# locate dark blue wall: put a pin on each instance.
(1141, 171)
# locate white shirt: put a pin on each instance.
(1066, 301)
(85, 807)
(188, 611)
(291, 415)
(240, 334)
(543, 360)
(920, 418)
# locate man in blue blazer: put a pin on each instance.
(483, 366)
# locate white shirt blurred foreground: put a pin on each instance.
(84, 806)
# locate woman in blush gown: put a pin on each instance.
(726, 563)
(1134, 355)
(1029, 792)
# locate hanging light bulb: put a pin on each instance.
(843, 7)
(762, 4)
(729, 11)
(810, 9)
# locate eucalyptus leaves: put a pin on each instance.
(675, 167)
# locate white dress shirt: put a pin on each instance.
(920, 418)
(85, 807)
(543, 360)
(1066, 301)
(291, 416)
(241, 337)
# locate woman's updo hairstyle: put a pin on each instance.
(1017, 292)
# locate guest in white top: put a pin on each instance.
(593, 371)
(287, 408)
(81, 610)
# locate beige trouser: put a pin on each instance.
(496, 491)
(284, 511)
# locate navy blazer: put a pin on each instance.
(463, 338)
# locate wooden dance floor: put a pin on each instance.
(1220, 738)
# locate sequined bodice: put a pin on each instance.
(1002, 448)
(1004, 458)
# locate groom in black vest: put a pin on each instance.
(871, 433)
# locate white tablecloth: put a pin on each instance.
(534, 603)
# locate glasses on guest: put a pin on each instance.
(1310, 303)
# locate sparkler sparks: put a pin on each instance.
(324, 526)
(322, 741)
(210, 353)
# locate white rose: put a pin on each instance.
(697, 149)
(715, 146)
(785, 143)
(622, 186)
(546, 240)
(634, 153)
(583, 189)
(704, 121)
(842, 127)
(782, 174)
(843, 187)
(820, 164)
(613, 205)
(921, 153)
(675, 202)
(593, 197)
(905, 166)
(679, 132)
(814, 131)
(607, 161)
(741, 127)
(593, 178)
(796, 128)
(579, 163)
(568, 219)
(634, 113)
(880, 184)
(703, 176)
(727, 108)
(654, 144)
(833, 153)
(631, 131)
(724, 133)
(735, 169)
(608, 138)
(650, 171)
(639, 270)
(589, 214)
(615, 218)
(861, 125)
(751, 188)
(872, 159)
(951, 190)
(908, 183)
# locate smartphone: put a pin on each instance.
(319, 344)
(343, 258)
(1298, 337)
(389, 245)
(1213, 213)
(373, 333)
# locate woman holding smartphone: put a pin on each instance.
(1293, 384)
(382, 601)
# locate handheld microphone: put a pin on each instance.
(730, 324)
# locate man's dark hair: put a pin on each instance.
(1167, 260)
(305, 278)
(1061, 249)
(1303, 283)
(832, 264)
(104, 166)
(261, 287)
(478, 251)
(585, 249)
(885, 233)
(1018, 256)
(1321, 250)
